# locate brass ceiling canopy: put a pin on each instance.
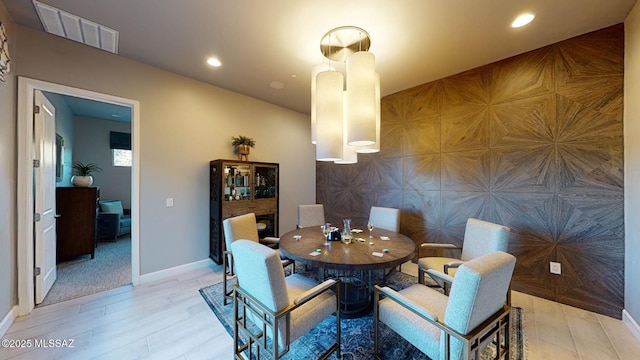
(339, 43)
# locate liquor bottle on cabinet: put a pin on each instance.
(237, 188)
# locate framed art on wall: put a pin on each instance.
(5, 59)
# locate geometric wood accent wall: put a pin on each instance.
(533, 142)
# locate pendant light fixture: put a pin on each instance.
(374, 148)
(329, 117)
(314, 72)
(343, 125)
(361, 102)
(349, 154)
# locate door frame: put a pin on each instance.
(25, 248)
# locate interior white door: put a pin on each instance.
(44, 183)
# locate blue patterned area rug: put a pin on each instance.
(357, 334)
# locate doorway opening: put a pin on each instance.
(26, 250)
(93, 232)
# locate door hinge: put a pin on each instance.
(36, 163)
(36, 109)
(36, 271)
(36, 217)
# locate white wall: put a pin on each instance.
(184, 125)
(8, 187)
(91, 145)
(632, 163)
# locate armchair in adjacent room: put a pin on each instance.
(113, 220)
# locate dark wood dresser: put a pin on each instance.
(76, 225)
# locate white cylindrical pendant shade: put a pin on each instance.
(361, 99)
(329, 102)
(349, 154)
(314, 72)
(375, 147)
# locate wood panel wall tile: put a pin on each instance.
(531, 274)
(592, 218)
(466, 90)
(420, 216)
(418, 102)
(466, 171)
(328, 175)
(589, 63)
(531, 216)
(466, 130)
(421, 136)
(421, 173)
(383, 173)
(591, 168)
(534, 142)
(524, 169)
(391, 131)
(586, 289)
(522, 77)
(458, 206)
(579, 123)
(419, 129)
(524, 121)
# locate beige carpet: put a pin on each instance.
(110, 269)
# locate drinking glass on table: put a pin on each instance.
(370, 228)
(326, 230)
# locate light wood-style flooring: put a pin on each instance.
(170, 320)
(557, 331)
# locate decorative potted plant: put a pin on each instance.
(242, 146)
(82, 174)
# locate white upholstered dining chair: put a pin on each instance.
(385, 218)
(310, 215)
(388, 219)
(272, 311)
(480, 237)
(458, 326)
(242, 227)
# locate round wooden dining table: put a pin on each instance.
(352, 263)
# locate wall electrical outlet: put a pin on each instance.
(555, 268)
(169, 202)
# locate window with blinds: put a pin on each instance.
(121, 154)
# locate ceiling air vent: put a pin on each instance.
(61, 23)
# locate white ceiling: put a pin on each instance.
(96, 109)
(260, 41)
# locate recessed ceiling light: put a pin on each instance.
(276, 85)
(522, 20)
(214, 62)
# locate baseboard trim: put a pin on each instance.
(174, 271)
(8, 320)
(631, 323)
